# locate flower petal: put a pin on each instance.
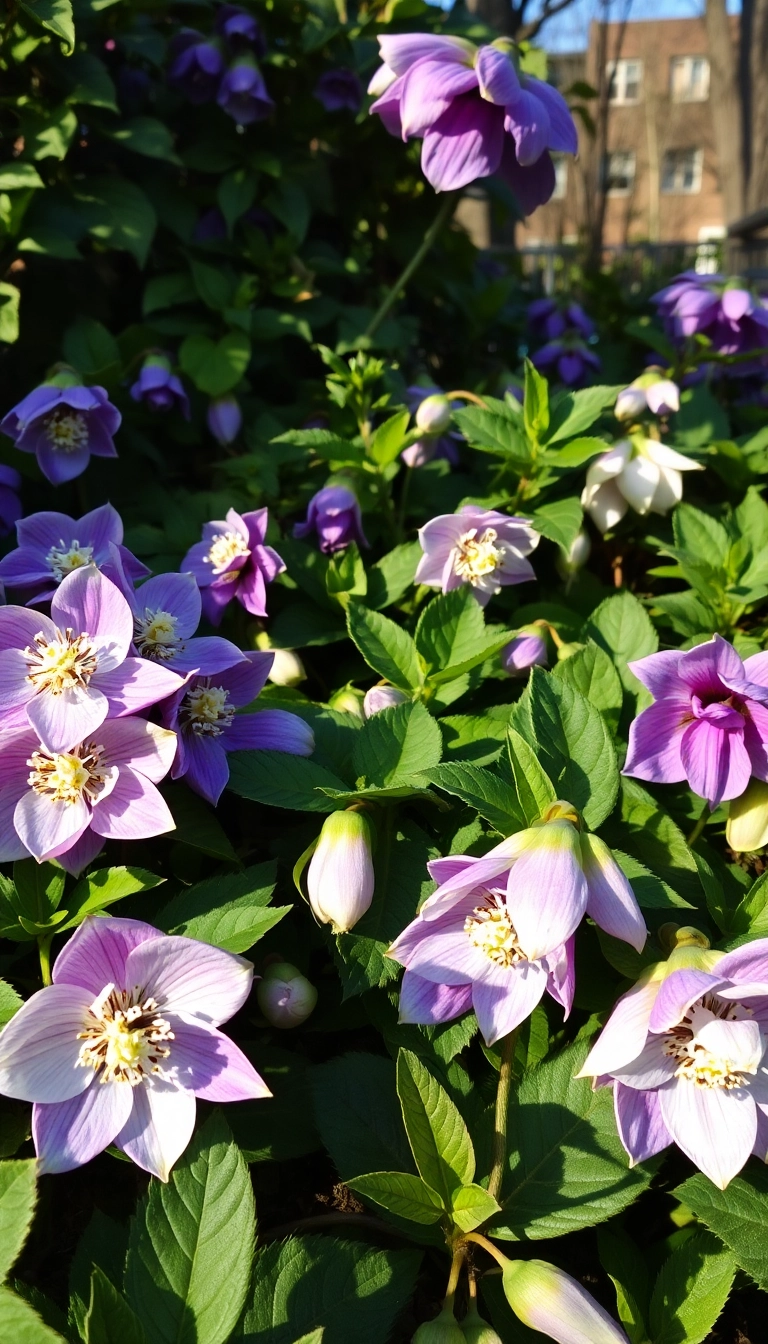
(502, 1005)
(464, 144)
(428, 89)
(134, 810)
(141, 745)
(61, 721)
(746, 963)
(638, 483)
(563, 136)
(136, 684)
(676, 994)
(497, 76)
(401, 50)
(270, 730)
(716, 1127)
(207, 1063)
(655, 739)
(87, 601)
(446, 956)
(547, 890)
(650, 1069)
(640, 1123)
(69, 1133)
(625, 1033)
(191, 978)
(475, 873)
(605, 504)
(429, 1004)
(47, 826)
(96, 954)
(527, 121)
(204, 766)
(715, 760)
(39, 1047)
(159, 1127)
(610, 899)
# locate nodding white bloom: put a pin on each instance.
(340, 878)
(650, 392)
(637, 472)
(378, 698)
(549, 1300)
(285, 996)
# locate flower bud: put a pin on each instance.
(340, 876)
(477, 1331)
(285, 996)
(445, 1329)
(382, 697)
(287, 668)
(224, 419)
(663, 397)
(579, 552)
(434, 414)
(631, 403)
(568, 650)
(528, 649)
(348, 700)
(747, 825)
(546, 1299)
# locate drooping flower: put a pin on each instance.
(339, 90)
(569, 358)
(242, 92)
(63, 805)
(240, 28)
(285, 996)
(548, 319)
(10, 504)
(708, 723)
(166, 613)
(63, 426)
(498, 931)
(549, 1301)
(224, 419)
(432, 413)
(52, 545)
(477, 546)
(197, 65)
(340, 877)
(528, 649)
(379, 698)
(334, 514)
(477, 112)
(650, 392)
(686, 1054)
(232, 561)
(64, 675)
(724, 310)
(159, 388)
(203, 715)
(639, 472)
(117, 1049)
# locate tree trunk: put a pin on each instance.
(502, 15)
(728, 99)
(755, 43)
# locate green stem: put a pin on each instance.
(499, 1156)
(699, 827)
(44, 950)
(487, 1246)
(455, 1274)
(404, 502)
(447, 208)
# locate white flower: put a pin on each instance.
(639, 472)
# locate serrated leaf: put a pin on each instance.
(102, 888)
(18, 1194)
(491, 796)
(535, 790)
(109, 1317)
(574, 412)
(358, 1116)
(230, 911)
(575, 453)
(494, 432)
(560, 522)
(622, 627)
(399, 1192)
(472, 1205)
(625, 1265)
(450, 632)
(535, 403)
(282, 780)
(10, 1002)
(397, 744)
(575, 747)
(196, 823)
(691, 1291)
(385, 646)
(189, 1256)
(437, 1134)
(591, 671)
(56, 16)
(736, 1215)
(389, 438)
(21, 1324)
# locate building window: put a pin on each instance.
(689, 79)
(681, 172)
(619, 172)
(561, 176)
(626, 78)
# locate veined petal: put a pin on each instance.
(527, 121)
(134, 810)
(140, 745)
(47, 826)
(136, 684)
(716, 1127)
(749, 963)
(96, 954)
(464, 144)
(86, 600)
(401, 50)
(625, 1033)
(476, 873)
(676, 994)
(716, 761)
(610, 899)
(15, 687)
(447, 957)
(655, 740)
(207, 1063)
(191, 978)
(640, 1123)
(562, 128)
(501, 1004)
(547, 890)
(610, 464)
(660, 674)
(39, 1048)
(69, 1133)
(652, 1068)
(429, 1004)
(638, 483)
(605, 504)
(497, 76)
(664, 456)
(428, 90)
(159, 1127)
(61, 721)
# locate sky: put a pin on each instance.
(569, 31)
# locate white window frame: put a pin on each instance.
(688, 93)
(617, 72)
(630, 156)
(678, 188)
(561, 177)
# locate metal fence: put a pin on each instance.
(638, 264)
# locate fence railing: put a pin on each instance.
(639, 263)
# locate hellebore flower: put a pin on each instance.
(528, 649)
(202, 713)
(650, 392)
(708, 723)
(224, 419)
(498, 931)
(548, 320)
(476, 112)
(158, 387)
(119, 1046)
(340, 877)
(232, 561)
(547, 1299)
(334, 514)
(242, 92)
(378, 698)
(63, 805)
(723, 310)
(62, 426)
(688, 1062)
(476, 546)
(569, 358)
(339, 90)
(432, 413)
(285, 996)
(53, 545)
(240, 28)
(196, 66)
(637, 471)
(166, 614)
(10, 504)
(66, 674)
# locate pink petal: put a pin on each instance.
(191, 978)
(429, 1004)
(447, 957)
(610, 899)
(497, 76)
(137, 683)
(746, 963)
(639, 1122)
(96, 954)
(87, 601)
(502, 1005)
(62, 721)
(660, 673)
(401, 50)
(705, 667)
(15, 689)
(716, 761)
(562, 128)
(527, 121)
(716, 1127)
(134, 810)
(69, 1133)
(143, 746)
(464, 144)
(650, 1069)
(676, 994)
(655, 739)
(159, 1127)
(428, 90)
(46, 826)
(474, 873)
(625, 1033)
(547, 890)
(19, 625)
(207, 1063)
(39, 1047)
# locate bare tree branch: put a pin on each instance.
(528, 31)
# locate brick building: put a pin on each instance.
(661, 165)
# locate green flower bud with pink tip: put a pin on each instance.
(546, 1299)
(285, 996)
(340, 878)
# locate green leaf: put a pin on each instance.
(575, 453)
(91, 84)
(165, 291)
(235, 194)
(535, 403)
(736, 1215)
(102, 888)
(389, 439)
(622, 627)
(10, 1002)
(325, 445)
(472, 1205)
(215, 367)
(358, 1116)
(701, 535)
(385, 646)
(48, 135)
(451, 635)
(399, 1192)
(56, 16)
(591, 671)
(39, 889)
(191, 1245)
(495, 432)
(651, 893)
(397, 744)
(282, 1127)
(750, 918)
(10, 299)
(535, 790)
(282, 780)
(437, 1134)
(392, 575)
(90, 347)
(574, 412)
(196, 824)
(19, 177)
(649, 834)
(691, 1291)
(575, 747)
(144, 135)
(625, 1265)
(18, 1195)
(560, 522)
(21, 1324)
(348, 1288)
(109, 1317)
(484, 791)
(567, 1168)
(230, 911)
(121, 215)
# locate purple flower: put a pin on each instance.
(548, 320)
(725, 311)
(477, 113)
(10, 504)
(242, 92)
(66, 674)
(224, 419)
(119, 1046)
(528, 649)
(232, 561)
(334, 514)
(63, 805)
(202, 713)
(498, 931)
(550, 1302)
(476, 546)
(196, 66)
(240, 28)
(159, 388)
(708, 723)
(339, 90)
(166, 613)
(53, 545)
(437, 442)
(379, 698)
(685, 1051)
(569, 358)
(650, 392)
(63, 426)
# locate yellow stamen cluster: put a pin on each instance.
(124, 1038)
(696, 1062)
(155, 636)
(62, 559)
(475, 557)
(66, 430)
(490, 929)
(226, 547)
(207, 710)
(66, 777)
(62, 663)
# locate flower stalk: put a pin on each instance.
(501, 1121)
(442, 217)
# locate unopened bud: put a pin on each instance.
(663, 397)
(434, 414)
(340, 877)
(348, 700)
(477, 1331)
(382, 697)
(528, 649)
(568, 650)
(546, 1299)
(287, 668)
(224, 419)
(445, 1329)
(630, 403)
(285, 996)
(747, 827)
